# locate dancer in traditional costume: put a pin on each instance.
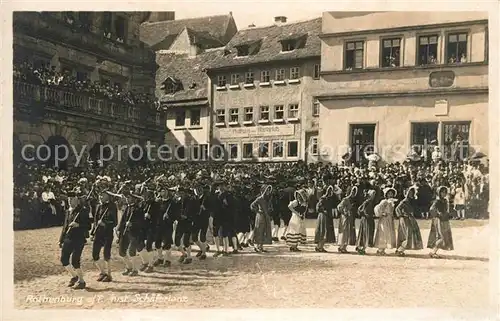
(347, 228)
(164, 233)
(324, 232)
(130, 234)
(286, 196)
(105, 220)
(151, 214)
(385, 236)
(262, 230)
(72, 239)
(440, 236)
(409, 237)
(367, 223)
(296, 232)
(200, 226)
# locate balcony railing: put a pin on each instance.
(77, 102)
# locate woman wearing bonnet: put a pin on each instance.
(440, 236)
(367, 223)
(262, 207)
(385, 236)
(325, 232)
(347, 230)
(296, 232)
(409, 237)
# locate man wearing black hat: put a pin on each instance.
(130, 233)
(184, 225)
(165, 229)
(200, 208)
(72, 239)
(105, 221)
(151, 214)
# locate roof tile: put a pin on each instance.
(270, 49)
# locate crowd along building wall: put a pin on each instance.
(418, 79)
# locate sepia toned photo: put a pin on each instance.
(209, 158)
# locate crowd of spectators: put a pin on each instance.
(46, 75)
(40, 191)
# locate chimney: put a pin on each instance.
(279, 20)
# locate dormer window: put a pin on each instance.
(292, 42)
(171, 85)
(243, 51)
(288, 45)
(248, 48)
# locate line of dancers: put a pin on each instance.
(157, 219)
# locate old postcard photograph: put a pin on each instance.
(250, 155)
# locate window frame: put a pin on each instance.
(259, 149)
(317, 71)
(177, 117)
(243, 151)
(346, 43)
(315, 112)
(221, 79)
(230, 150)
(282, 149)
(391, 39)
(292, 72)
(277, 73)
(313, 141)
(235, 77)
(220, 113)
(282, 111)
(417, 54)
(245, 113)
(262, 80)
(288, 148)
(249, 80)
(290, 110)
(232, 114)
(191, 117)
(261, 113)
(449, 33)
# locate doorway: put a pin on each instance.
(362, 141)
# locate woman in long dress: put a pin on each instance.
(296, 233)
(262, 207)
(385, 236)
(347, 229)
(366, 224)
(324, 232)
(409, 237)
(440, 236)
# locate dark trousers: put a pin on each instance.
(200, 227)
(147, 240)
(163, 239)
(72, 249)
(128, 244)
(102, 239)
(183, 232)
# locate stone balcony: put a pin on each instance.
(28, 97)
(48, 27)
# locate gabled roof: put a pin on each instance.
(152, 33)
(187, 69)
(270, 49)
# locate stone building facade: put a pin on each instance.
(184, 48)
(413, 82)
(95, 46)
(262, 89)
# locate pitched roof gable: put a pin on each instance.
(270, 48)
(152, 33)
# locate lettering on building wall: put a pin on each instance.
(259, 131)
(441, 79)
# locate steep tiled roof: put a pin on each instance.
(270, 49)
(189, 70)
(204, 38)
(152, 33)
